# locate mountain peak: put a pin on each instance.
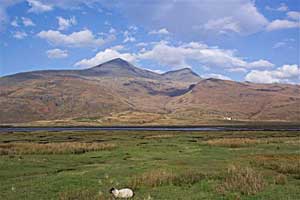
(118, 61)
(183, 70)
(185, 74)
(119, 67)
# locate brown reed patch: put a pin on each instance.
(156, 178)
(160, 136)
(82, 194)
(244, 180)
(233, 142)
(293, 142)
(280, 179)
(53, 148)
(282, 163)
(244, 142)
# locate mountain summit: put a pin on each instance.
(185, 74)
(120, 68)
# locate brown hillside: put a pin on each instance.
(117, 92)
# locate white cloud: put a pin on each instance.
(104, 56)
(112, 30)
(282, 24)
(166, 55)
(217, 76)
(162, 31)
(293, 15)
(260, 63)
(24, 20)
(15, 23)
(178, 56)
(279, 44)
(191, 16)
(222, 25)
(284, 74)
(133, 28)
(155, 71)
(20, 35)
(84, 38)
(57, 53)
(284, 43)
(118, 47)
(4, 18)
(38, 6)
(128, 37)
(239, 70)
(281, 8)
(141, 44)
(27, 22)
(64, 24)
(242, 16)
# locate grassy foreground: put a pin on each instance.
(157, 165)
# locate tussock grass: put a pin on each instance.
(82, 194)
(285, 164)
(53, 148)
(233, 142)
(280, 179)
(245, 142)
(159, 136)
(156, 178)
(246, 181)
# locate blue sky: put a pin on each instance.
(242, 40)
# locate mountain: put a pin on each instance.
(185, 74)
(118, 93)
(212, 98)
(119, 68)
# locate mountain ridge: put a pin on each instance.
(117, 93)
(125, 68)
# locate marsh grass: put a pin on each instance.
(284, 163)
(246, 142)
(158, 168)
(233, 142)
(156, 178)
(82, 194)
(159, 136)
(243, 180)
(280, 179)
(53, 148)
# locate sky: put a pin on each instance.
(241, 40)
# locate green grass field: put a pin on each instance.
(157, 165)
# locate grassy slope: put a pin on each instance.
(48, 176)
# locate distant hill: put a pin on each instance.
(118, 93)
